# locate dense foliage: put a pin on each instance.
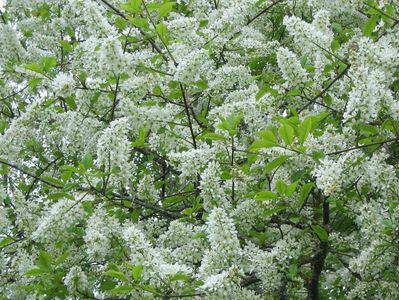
(238, 149)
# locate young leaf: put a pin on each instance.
(139, 22)
(162, 30)
(213, 136)
(276, 163)
(48, 62)
(136, 272)
(265, 195)
(132, 6)
(44, 261)
(123, 289)
(165, 9)
(287, 134)
(370, 25)
(269, 138)
(291, 188)
(304, 129)
(34, 272)
(116, 274)
(281, 187)
(320, 232)
(306, 188)
(5, 241)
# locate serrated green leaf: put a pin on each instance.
(165, 9)
(162, 30)
(304, 129)
(281, 187)
(287, 133)
(48, 62)
(276, 163)
(265, 195)
(123, 289)
(139, 22)
(305, 190)
(132, 6)
(291, 188)
(179, 277)
(87, 161)
(320, 232)
(5, 241)
(44, 261)
(34, 272)
(370, 25)
(116, 274)
(213, 136)
(271, 212)
(33, 67)
(269, 137)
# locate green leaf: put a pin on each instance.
(287, 134)
(162, 30)
(70, 101)
(44, 261)
(281, 187)
(143, 133)
(370, 25)
(271, 212)
(132, 6)
(116, 274)
(48, 62)
(269, 138)
(34, 272)
(320, 232)
(4, 242)
(34, 82)
(213, 136)
(34, 67)
(306, 188)
(66, 46)
(136, 272)
(264, 90)
(276, 163)
(304, 129)
(179, 277)
(123, 289)
(87, 161)
(139, 22)
(165, 9)
(52, 180)
(265, 195)
(335, 44)
(230, 123)
(293, 93)
(291, 188)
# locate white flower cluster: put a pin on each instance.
(290, 67)
(225, 247)
(58, 218)
(76, 280)
(113, 149)
(101, 229)
(63, 85)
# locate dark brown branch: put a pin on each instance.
(327, 88)
(320, 256)
(186, 108)
(363, 146)
(30, 174)
(263, 11)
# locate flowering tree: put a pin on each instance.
(242, 149)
